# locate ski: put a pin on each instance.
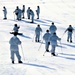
(51, 54)
(17, 33)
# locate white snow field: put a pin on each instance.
(62, 13)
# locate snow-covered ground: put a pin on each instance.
(62, 13)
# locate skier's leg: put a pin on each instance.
(47, 46)
(12, 56)
(18, 55)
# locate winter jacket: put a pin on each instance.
(38, 30)
(14, 42)
(70, 30)
(47, 36)
(38, 10)
(5, 11)
(53, 28)
(15, 29)
(53, 39)
(31, 12)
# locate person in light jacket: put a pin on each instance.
(70, 32)
(14, 49)
(28, 12)
(18, 13)
(53, 42)
(52, 28)
(38, 12)
(46, 38)
(5, 12)
(16, 28)
(38, 30)
(31, 15)
(23, 11)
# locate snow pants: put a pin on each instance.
(53, 48)
(69, 36)
(15, 53)
(37, 37)
(46, 46)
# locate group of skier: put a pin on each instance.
(50, 37)
(20, 13)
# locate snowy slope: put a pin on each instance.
(62, 12)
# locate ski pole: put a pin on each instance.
(44, 53)
(61, 47)
(22, 52)
(63, 34)
(33, 38)
(40, 46)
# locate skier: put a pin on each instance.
(53, 42)
(16, 28)
(31, 15)
(37, 33)
(52, 28)
(70, 31)
(28, 12)
(38, 12)
(23, 11)
(14, 49)
(5, 12)
(46, 38)
(18, 13)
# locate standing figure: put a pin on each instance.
(46, 38)
(23, 11)
(28, 12)
(5, 12)
(32, 15)
(53, 42)
(14, 49)
(52, 28)
(18, 13)
(38, 12)
(70, 31)
(16, 28)
(37, 33)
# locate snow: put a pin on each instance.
(62, 13)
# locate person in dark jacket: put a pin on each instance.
(70, 32)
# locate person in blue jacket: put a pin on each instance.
(38, 31)
(38, 12)
(5, 12)
(28, 13)
(18, 13)
(23, 11)
(31, 15)
(46, 38)
(70, 32)
(52, 28)
(16, 28)
(53, 42)
(14, 49)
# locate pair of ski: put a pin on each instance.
(49, 52)
(17, 33)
